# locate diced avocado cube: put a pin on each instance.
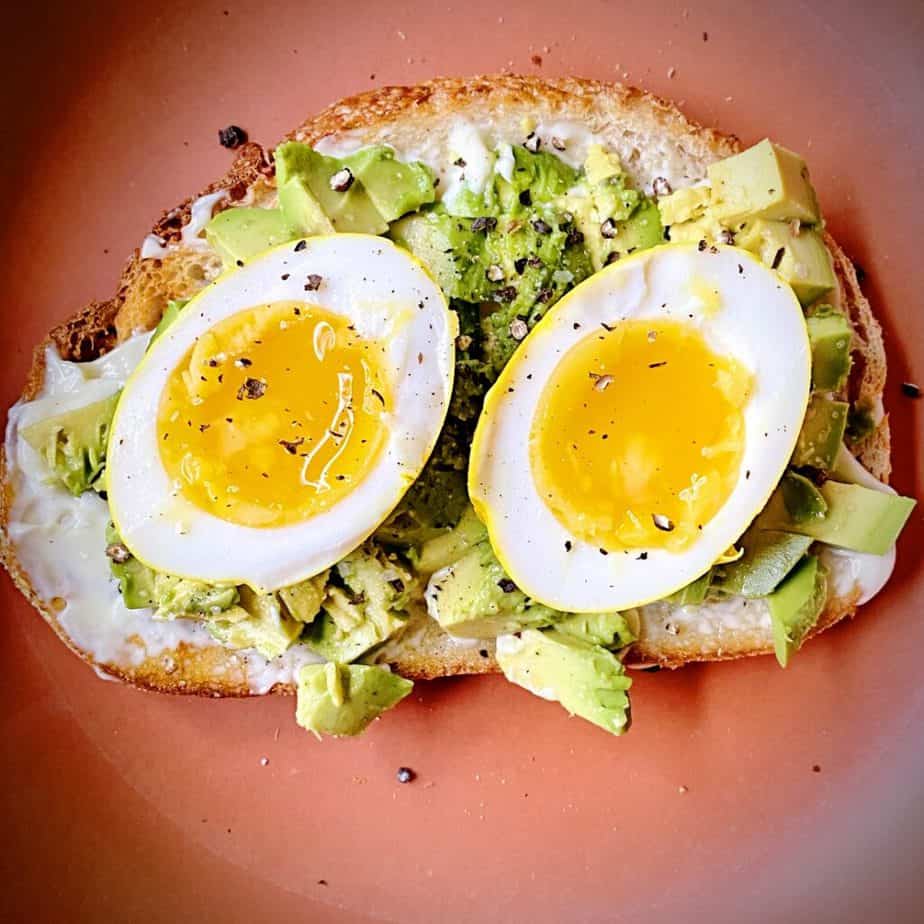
(769, 555)
(73, 444)
(694, 593)
(765, 181)
(342, 699)
(136, 580)
(601, 165)
(795, 607)
(830, 335)
(822, 433)
(303, 600)
(395, 188)
(348, 208)
(258, 622)
(474, 598)
(433, 240)
(587, 680)
(858, 518)
(301, 209)
(802, 499)
(689, 203)
(238, 234)
(450, 547)
(801, 259)
(608, 630)
(641, 230)
(176, 596)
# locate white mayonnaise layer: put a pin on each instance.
(200, 213)
(60, 539)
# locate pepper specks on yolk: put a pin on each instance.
(274, 415)
(638, 436)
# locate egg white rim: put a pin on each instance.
(166, 532)
(527, 538)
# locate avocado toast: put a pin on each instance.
(644, 152)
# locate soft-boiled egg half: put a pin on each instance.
(641, 426)
(274, 425)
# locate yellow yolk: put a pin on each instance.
(638, 436)
(274, 415)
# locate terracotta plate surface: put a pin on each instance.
(742, 793)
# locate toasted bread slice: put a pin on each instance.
(652, 138)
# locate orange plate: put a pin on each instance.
(742, 792)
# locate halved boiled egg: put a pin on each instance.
(274, 425)
(641, 426)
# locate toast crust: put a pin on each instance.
(406, 113)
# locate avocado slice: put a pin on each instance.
(395, 188)
(342, 699)
(238, 234)
(822, 433)
(803, 501)
(171, 313)
(830, 335)
(349, 208)
(256, 622)
(608, 630)
(857, 518)
(769, 555)
(442, 551)
(474, 598)
(73, 444)
(301, 210)
(303, 600)
(795, 607)
(587, 680)
(433, 240)
(694, 593)
(801, 259)
(765, 181)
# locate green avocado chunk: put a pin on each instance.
(830, 335)
(342, 699)
(587, 680)
(136, 580)
(257, 622)
(858, 518)
(171, 313)
(303, 600)
(175, 596)
(474, 598)
(433, 504)
(822, 433)
(73, 444)
(800, 258)
(795, 607)
(348, 207)
(450, 547)
(608, 630)
(237, 234)
(301, 209)
(765, 181)
(395, 188)
(369, 605)
(769, 555)
(803, 501)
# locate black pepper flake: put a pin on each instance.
(603, 552)
(342, 180)
(520, 265)
(284, 276)
(910, 390)
(660, 186)
(568, 545)
(213, 363)
(243, 362)
(483, 652)
(526, 198)
(251, 389)
(118, 553)
(239, 262)
(397, 585)
(740, 270)
(540, 226)
(657, 365)
(778, 258)
(705, 36)
(313, 283)
(484, 223)
(459, 162)
(747, 474)
(608, 229)
(534, 262)
(301, 245)
(404, 775)
(607, 327)
(701, 246)
(816, 768)
(665, 524)
(574, 238)
(505, 294)
(291, 446)
(204, 427)
(378, 395)
(532, 143)
(544, 295)
(642, 556)
(232, 136)
(611, 257)
(506, 585)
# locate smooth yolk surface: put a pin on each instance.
(638, 436)
(274, 415)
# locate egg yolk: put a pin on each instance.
(274, 415)
(638, 436)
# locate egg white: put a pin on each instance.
(743, 310)
(387, 295)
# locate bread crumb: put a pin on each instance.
(670, 72)
(264, 761)
(402, 35)
(682, 789)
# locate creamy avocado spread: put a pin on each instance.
(503, 256)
